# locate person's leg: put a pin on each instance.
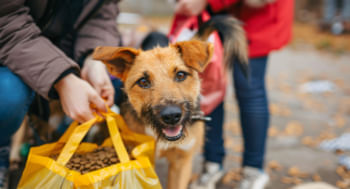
(254, 112)
(329, 10)
(15, 99)
(345, 13)
(254, 116)
(214, 150)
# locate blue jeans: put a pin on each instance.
(330, 10)
(254, 116)
(15, 99)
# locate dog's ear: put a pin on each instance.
(117, 59)
(196, 54)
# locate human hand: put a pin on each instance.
(95, 73)
(77, 96)
(190, 7)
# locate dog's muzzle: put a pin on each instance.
(171, 116)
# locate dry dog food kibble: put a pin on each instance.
(99, 158)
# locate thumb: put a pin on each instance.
(99, 103)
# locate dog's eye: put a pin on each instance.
(144, 83)
(181, 76)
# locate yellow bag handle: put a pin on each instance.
(117, 139)
(68, 132)
(80, 131)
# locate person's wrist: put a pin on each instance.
(64, 81)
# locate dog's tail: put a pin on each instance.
(233, 37)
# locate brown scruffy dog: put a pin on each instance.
(162, 86)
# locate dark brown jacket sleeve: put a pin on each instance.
(100, 29)
(25, 52)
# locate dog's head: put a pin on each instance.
(162, 84)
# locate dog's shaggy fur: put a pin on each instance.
(162, 86)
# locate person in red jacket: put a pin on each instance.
(268, 26)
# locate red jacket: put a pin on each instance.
(267, 28)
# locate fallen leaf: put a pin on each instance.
(316, 177)
(228, 143)
(238, 148)
(274, 109)
(343, 184)
(327, 94)
(291, 180)
(339, 152)
(234, 127)
(308, 141)
(285, 88)
(226, 179)
(340, 170)
(232, 175)
(273, 131)
(287, 180)
(344, 106)
(340, 83)
(274, 165)
(343, 172)
(279, 110)
(294, 128)
(297, 181)
(339, 121)
(314, 105)
(286, 112)
(326, 135)
(295, 172)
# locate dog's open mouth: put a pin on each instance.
(173, 133)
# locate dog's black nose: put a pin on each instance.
(171, 114)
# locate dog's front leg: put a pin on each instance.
(180, 168)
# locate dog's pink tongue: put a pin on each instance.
(172, 131)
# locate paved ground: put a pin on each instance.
(299, 121)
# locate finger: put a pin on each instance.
(76, 117)
(98, 88)
(72, 114)
(108, 95)
(110, 100)
(96, 100)
(83, 114)
(88, 115)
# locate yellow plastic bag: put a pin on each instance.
(43, 172)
